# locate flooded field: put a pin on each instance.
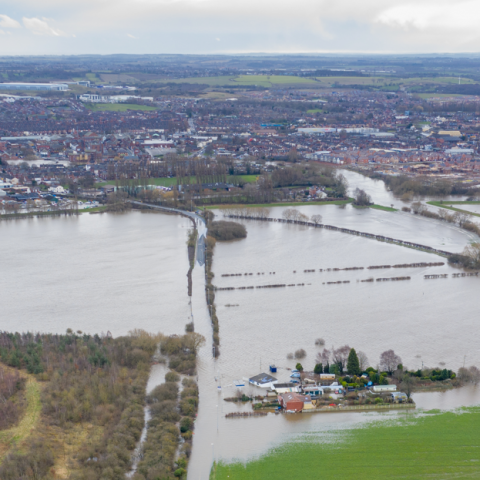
(95, 273)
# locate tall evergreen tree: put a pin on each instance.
(353, 365)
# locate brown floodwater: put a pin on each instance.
(99, 273)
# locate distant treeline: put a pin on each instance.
(402, 185)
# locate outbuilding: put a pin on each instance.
(263, 380)
(293, 402)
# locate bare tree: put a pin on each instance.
(362, 198)
(474, 375)
(472, 251)
(324, 356)
(195, 341)
(418, 207)
(288, 213)
(460, 218)
(316, 219)
(407, 385)
(340, 355)
(389, 361)
(362, 360)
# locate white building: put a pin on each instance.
(34, 86)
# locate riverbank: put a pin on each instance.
(54, 213)
(280, 204)
(448, 206)
(416, 445)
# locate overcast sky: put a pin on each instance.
(233, 26)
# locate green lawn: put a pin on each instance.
(168, 182)
(261, 80)
(449, 207)
(437, 446)
(315, 110)
(386, 209)
(117, 107)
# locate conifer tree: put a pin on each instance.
(353, 365)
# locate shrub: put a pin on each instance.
(320, 342)
(186, 423)
(172, 377)
(223, 230)
(378, 400)
(289, 356)
(166, 391)
(300, 353)
(299, 367)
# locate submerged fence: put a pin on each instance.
(380, 238)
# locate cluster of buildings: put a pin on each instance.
(252, 133)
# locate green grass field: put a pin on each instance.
(448, 206)
(435, 446)
(117, 107)
(322, 82)
(168, 182)
(386, 209)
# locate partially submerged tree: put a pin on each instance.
(362, 361)
(389, 361)
(361, 198)
(340, 357)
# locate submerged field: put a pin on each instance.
(435, 445)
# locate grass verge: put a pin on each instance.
(437, 446)
(448, 207)
(386, 209)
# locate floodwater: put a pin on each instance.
(95, 273)
(99, 273)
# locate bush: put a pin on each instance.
(320, 342)
(378, 400)
(186, 423)
(289, 356)
(299, 367)
(300, 353)
(166, 391)
(223, 230)
(172, 377)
